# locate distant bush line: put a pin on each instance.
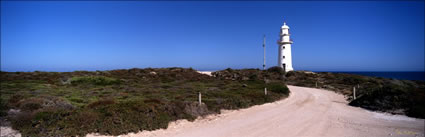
(95, 80)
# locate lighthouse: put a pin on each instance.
(285, 55)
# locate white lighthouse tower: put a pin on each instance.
(285, 55)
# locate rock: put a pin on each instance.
(235, 76)
(13, 112)
(244, 85)
(245, 78)
(65, 80)
(152, 73)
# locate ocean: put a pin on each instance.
(407, 75)
(393, 75)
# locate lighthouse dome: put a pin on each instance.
(284, 26)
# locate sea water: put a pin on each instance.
(393, 75)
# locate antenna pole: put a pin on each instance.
(264, 64)
(264, 47)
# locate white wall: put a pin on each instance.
(285, 51)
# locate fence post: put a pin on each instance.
(354, 92)
(200, 99)
(265, 91)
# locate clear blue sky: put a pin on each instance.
(328, 36)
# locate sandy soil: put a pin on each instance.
(306, 112)
(8, 132)
(205, 72)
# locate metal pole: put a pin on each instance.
(264, 62)
(354, 92)
(264, 48)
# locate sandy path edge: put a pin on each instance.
(306, 112)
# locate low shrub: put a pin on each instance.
(229, 70)
(276, 69)
(76, 100)
(121, 101)
(95, 80)
(14, 99)
(3, 108)
(278, 88)
(101, 102)
(30, 106)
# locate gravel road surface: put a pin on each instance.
(307, 112)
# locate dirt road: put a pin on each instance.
(306, 112)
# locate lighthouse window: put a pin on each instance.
(283, 56)
(283, 47)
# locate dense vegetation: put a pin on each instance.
(373, 93)
(122, 101)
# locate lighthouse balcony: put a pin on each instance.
(285, 34)
(284, 42)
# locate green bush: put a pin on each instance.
(3, 108)
(95, 80)
(278, 88)
(76, 99)
(276, 69)
(101, 102)
(229, 70)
